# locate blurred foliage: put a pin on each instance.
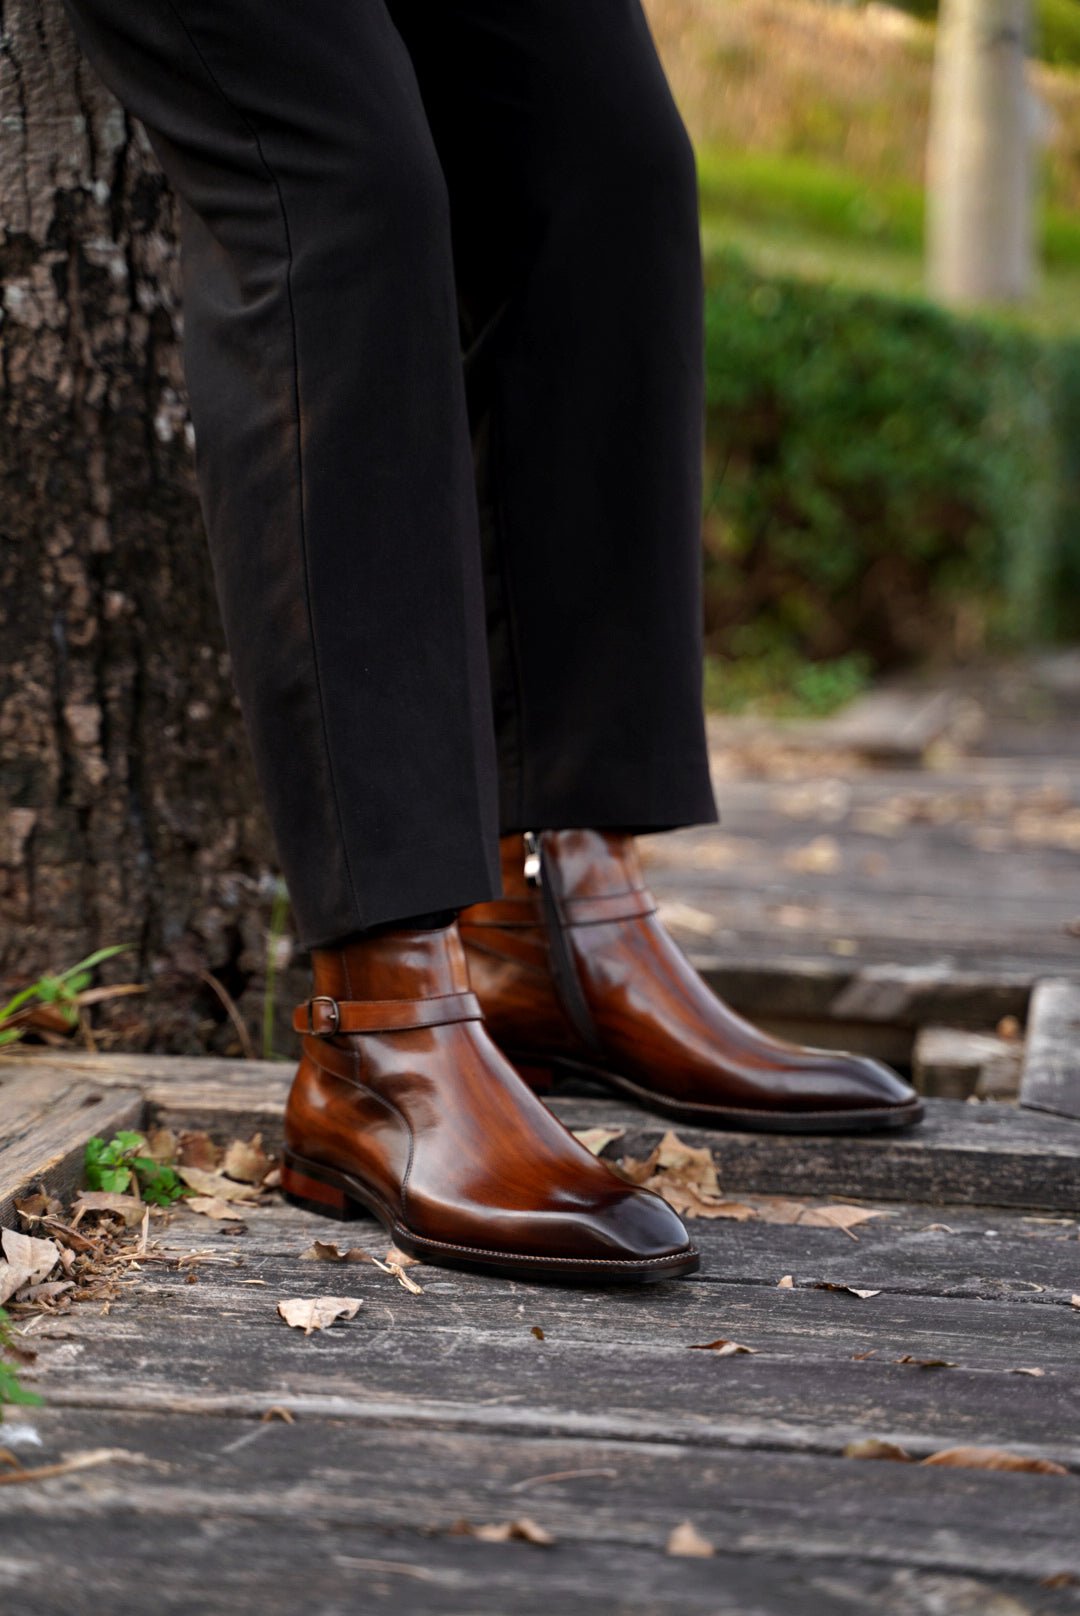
(1056, 33)
(886, 480)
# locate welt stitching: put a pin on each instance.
(246, 122)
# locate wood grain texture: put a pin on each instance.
(46, 1118)
(1051, 1076)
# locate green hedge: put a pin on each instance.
(884, 478)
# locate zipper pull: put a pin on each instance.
(532, 858)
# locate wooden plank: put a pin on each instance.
(46, 1117)
(417, 1484)
(954, 1064)
(613, 1365)
(223, 1565)
(982, 1254)
(986, 1154)
(1051, 1075)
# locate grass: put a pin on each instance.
(804, 216)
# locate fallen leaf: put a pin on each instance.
(1059, 1579)
(972, 1458)
(523, 1530)
(837, 1217)
(401, 1258)
(819, 857)
(197, 1149)
(925, 1363)
(330, 1251)
(686, 1541)
(278, 1413)
(1037, 1374)
(597, 1139)
(161, 1146)
(870, 1447)
(212, 1206)
(722, 1348)
(226, 1189)
(29, 1261)
(785, 1284)
(128, 1207)
(826, 1285)
(246, 1160)
(405, 1280)
(1074, 1301)
(46, 1291)
(317, 1312)
(537, 1332)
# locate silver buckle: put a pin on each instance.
(532, 858)
(323, 998)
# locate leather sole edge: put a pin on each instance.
(332, 1193)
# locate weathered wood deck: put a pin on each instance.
(424, 1411)
(870, 885)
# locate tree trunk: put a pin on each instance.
(980, 213)
(128, 811)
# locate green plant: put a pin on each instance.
(885, 478)
(10, 1389)
(62, 992)
(116, 1163)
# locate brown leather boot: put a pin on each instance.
(575, 970)
(403, 1107)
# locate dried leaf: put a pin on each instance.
(722, 1348)
(310, 1313)
(838, 1217)
(162, 1145)
(246, 1160)
(212, 1206)
(128, 1207)
(330, 1251)
(785, 1284)
(819, 857)
(925, 1363)
(1037, 1374)
(278, 1413)
(826, 1285)
(216, 1184)
(1074, 1301)
(685, 1540)
(29, 1261)
(973, 1458)
(401, 1258)
(523, 1530)
(597, 1139)
(870, 1447)
(197, 1149)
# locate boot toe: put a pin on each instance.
(638, 1226)
(860, 1082)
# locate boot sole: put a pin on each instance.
(542, 1077)
(334, 1194)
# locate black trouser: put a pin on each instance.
(443, 347)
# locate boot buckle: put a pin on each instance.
(322, 1032)
(532, 858)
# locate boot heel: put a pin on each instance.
(299, 1186)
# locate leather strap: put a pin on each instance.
(325, 1017)
(590, 911)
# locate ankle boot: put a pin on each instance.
(403, 1107)
(575, 971)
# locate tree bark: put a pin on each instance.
(128, 810)
(981, 172)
